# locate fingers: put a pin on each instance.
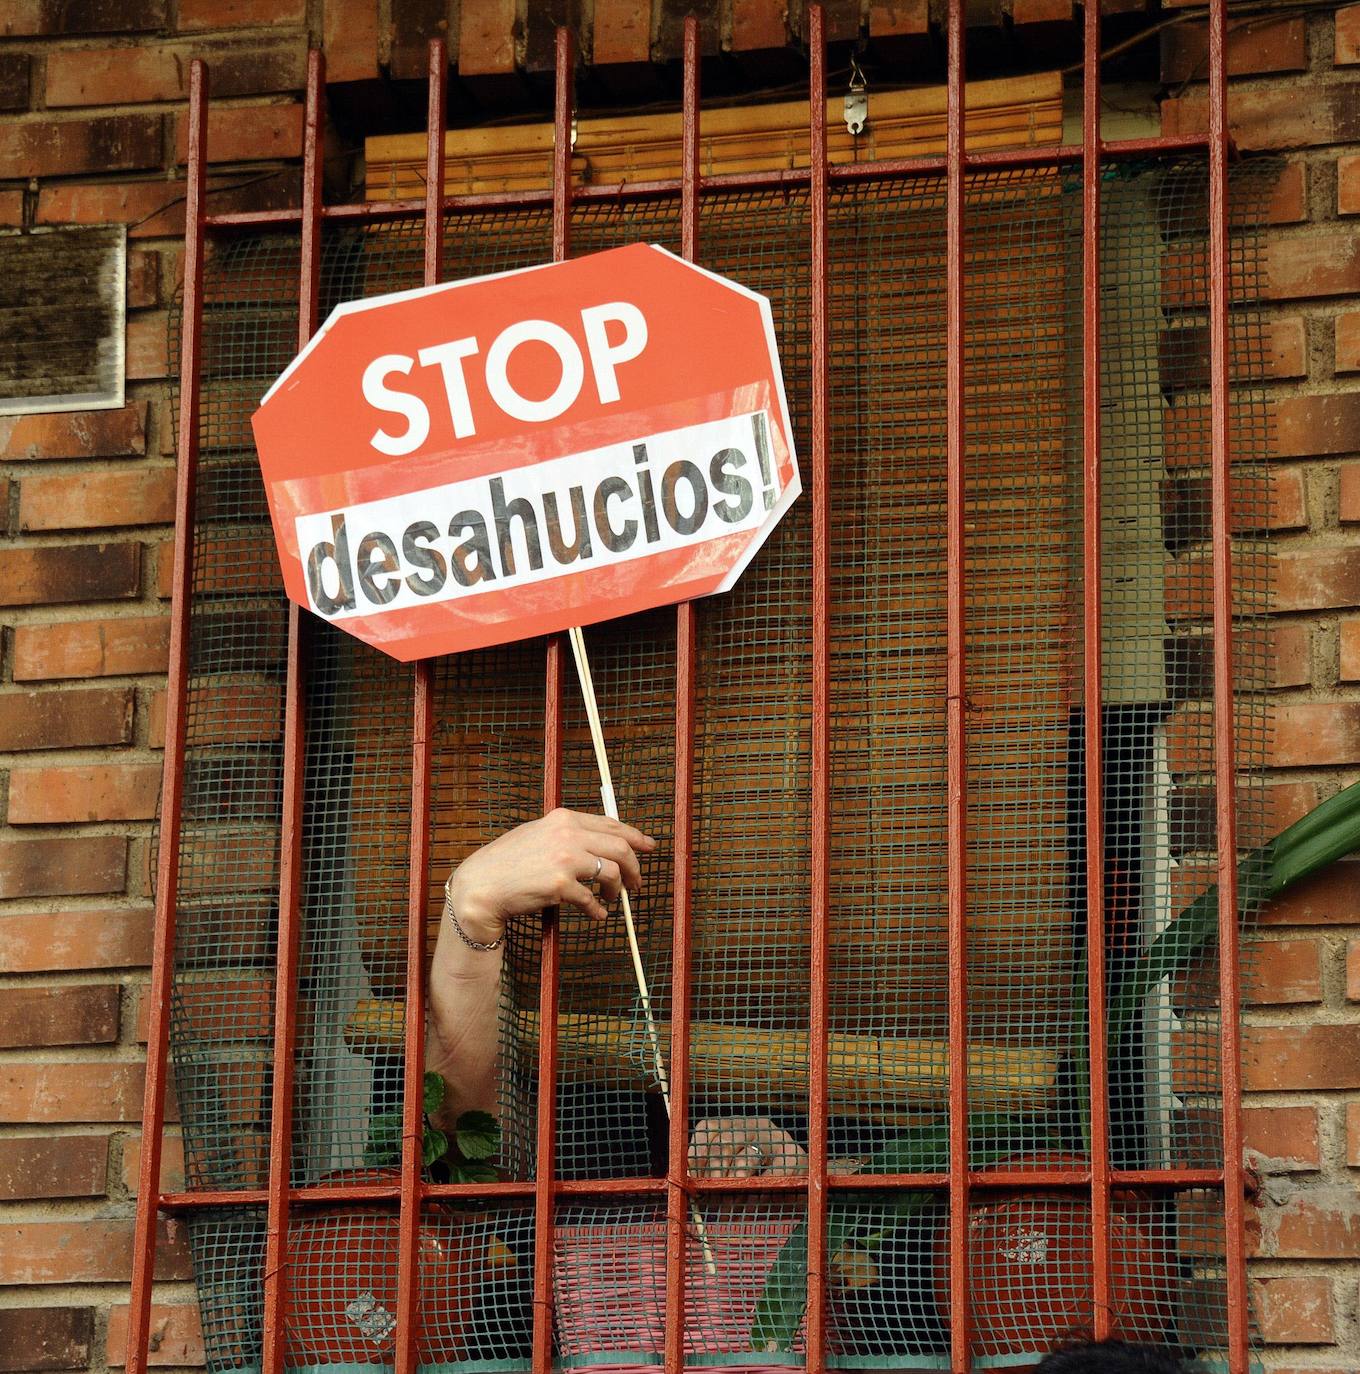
(580, 896)
(607, 825)
(618, 853)
(743, 1147)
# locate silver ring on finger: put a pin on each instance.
(599, 866)
(760, 1157)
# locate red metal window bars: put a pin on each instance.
(679, 1187)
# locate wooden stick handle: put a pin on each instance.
(611, 807)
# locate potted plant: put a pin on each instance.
(1030, 1252)
(343, 1258)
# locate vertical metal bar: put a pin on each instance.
(956, 806)
(172, 766)
(1097, 1067)
(417, 897)
(551, 964)
(821, 707)
(290, 824)
(677, 1171)
(1225, 764)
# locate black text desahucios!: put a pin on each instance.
(526, 524)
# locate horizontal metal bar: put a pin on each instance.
(1176, 1180)
(999, 159)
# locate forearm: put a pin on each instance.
(463, 1021)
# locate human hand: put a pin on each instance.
(543, 863)
(742, 1147)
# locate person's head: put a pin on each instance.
(1115, 1357)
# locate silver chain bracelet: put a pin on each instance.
(467, 939)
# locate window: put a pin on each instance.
(753, 1022)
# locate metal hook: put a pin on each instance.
(856, 99)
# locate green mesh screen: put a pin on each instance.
(888, 1301)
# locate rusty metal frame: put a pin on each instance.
(678, 1188)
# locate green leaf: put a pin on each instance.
(779, 1309)
(435, 1090)
(384, 1140)
(475, 1172)
(1327, 833)
(477, 1135)
(433, 1145)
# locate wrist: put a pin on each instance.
(473, 916)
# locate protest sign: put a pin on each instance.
(483, 460)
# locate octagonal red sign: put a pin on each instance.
(506, 456)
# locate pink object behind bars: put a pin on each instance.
(611, 1286)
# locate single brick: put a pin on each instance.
(1350, 494)
(34, 1017)
(90, 792)
(155, 715)
(1283, 972)
(623, 31)
(1313, 734)
(82, 718)
(1327, 898)
(1288, 200)
(112, 76)
(53, 1166)
(1300, 1058)
(93, 1091)
(14, 78)
(1273, 117)
(1184, 355)
(350, 39)
(245, 14)
(1295, 1311)
(1318, 263)
(95, 500)
(61, 941)
(75, 434)
(59, 866)
(1316, 1223)
(760, 25)
(415, 22)
(143, 278)
(67, 147)
(1267, 500)
(248, 133)
(155, 209)
(110, 647)
(1348, 185)
(172, 1164)
(165, 569)
(486, 38)
(52, 574)
(95, 1251)
(11, 211)
(148, 343)
(1347, 49)
(1281, 46)
(42, 1338)
(176, 1337)
(1350, 651)
(68, 18)
(1283, 1139)
(1297, 427)
(1348, 341)
(1316, 580)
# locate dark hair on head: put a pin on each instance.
(1116, 1357)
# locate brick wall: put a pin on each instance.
(95, 133)
(1296, 91)
(92, 132)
